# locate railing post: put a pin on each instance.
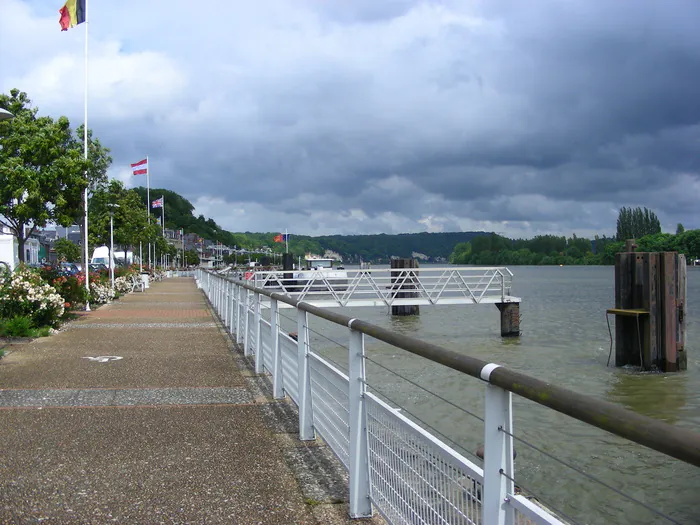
(246, 310)
(217, 288)
(217, 294)
(306, 428)
(360, 503)
(239, 289)
(259, 354)
(231, 305)
(277, 378)
(224, 317)
(498, 456)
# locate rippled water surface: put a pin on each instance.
(565, 341)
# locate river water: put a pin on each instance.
(565, 341)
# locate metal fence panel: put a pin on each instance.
(266, 343)
(415, 478)
(251, 332)
(329, 397)
(290, 367)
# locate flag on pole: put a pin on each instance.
(282, 237)
(72, 14)
(140, 167)
(158, 203)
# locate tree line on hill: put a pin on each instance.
(480, 248)
(633, 223)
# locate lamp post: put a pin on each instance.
(111, 242)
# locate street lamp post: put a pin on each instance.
(111, 242)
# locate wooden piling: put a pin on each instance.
(399, 280)
(649, 310)
(510, 319)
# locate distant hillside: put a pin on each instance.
(434, 246)
(352, 248)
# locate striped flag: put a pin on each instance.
(140, 167)
(282, 237)
(158, 203)
(72, 14)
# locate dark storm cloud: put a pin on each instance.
(548, 111)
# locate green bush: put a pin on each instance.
(24, 293)
(70, 287)
(19, 326)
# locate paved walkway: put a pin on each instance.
(143, 412)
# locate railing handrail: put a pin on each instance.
(657, 435)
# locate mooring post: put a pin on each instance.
(510, 319)
(681, 295)
(650, 292)
(404, 280)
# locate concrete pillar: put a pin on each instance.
(510, 319)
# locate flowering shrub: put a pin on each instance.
(122, 284)
(70, 287)
(24, 293)
(101, 292)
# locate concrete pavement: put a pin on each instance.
(143, 411)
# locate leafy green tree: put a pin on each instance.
(461, 253)
(634, 223)
(41, 170)
(66, 250)
(130, 218)
(679, 229)
(191, 257)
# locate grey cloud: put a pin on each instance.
(501, 111)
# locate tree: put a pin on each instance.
(130, 217)
(191, 258)
(41, 170)
(636, 223)
(461, 253)
(679, 229)
(66, 250)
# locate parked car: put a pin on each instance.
(98, 267)
(66, 268)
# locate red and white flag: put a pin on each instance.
(140, 167)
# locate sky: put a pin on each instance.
(364, 116)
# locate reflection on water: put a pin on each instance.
(661, 396)
(565, 341)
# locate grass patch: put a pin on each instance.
(44, 331)
(19, 326)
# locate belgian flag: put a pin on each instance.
(72, 14)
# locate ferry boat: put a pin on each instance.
(318, 273)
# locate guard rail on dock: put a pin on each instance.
(406, 472)
(388, 286)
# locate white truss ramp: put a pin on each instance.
(393, 287)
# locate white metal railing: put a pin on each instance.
(407, 473)
(389, 287)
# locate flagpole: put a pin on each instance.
(148, 203)
(286, 240)
(87, 180)
(162, 220)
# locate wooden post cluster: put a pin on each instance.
(650, 300)
(401, 281)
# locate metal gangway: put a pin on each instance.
(396, 465)
(390, 287)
